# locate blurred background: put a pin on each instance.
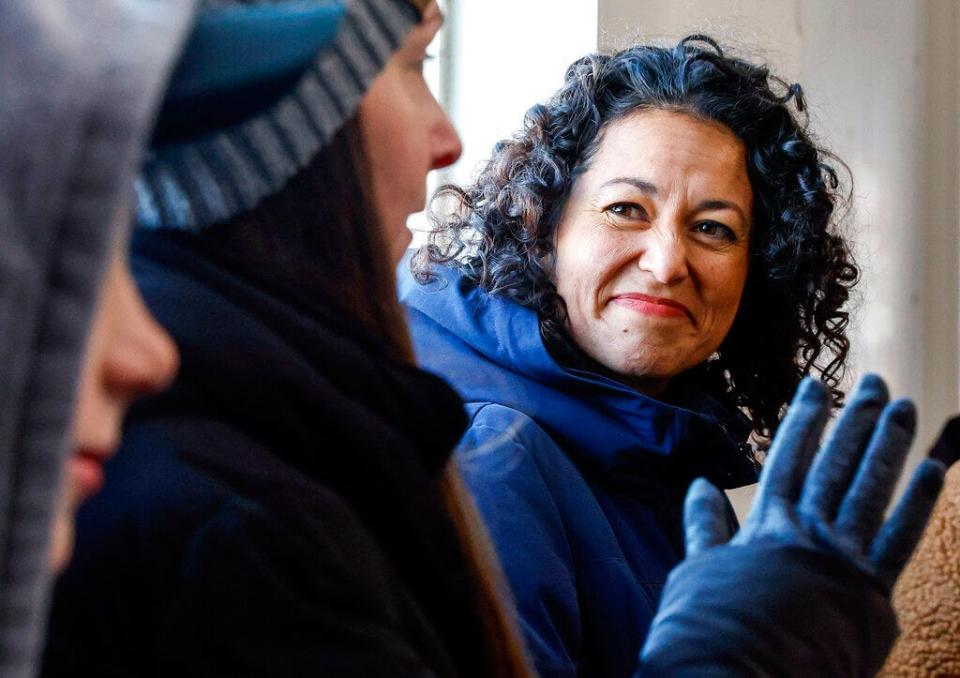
(882, 79)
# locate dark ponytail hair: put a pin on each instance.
(318, 241)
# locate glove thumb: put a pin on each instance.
(705, 517)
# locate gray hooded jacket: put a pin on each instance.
(78, 85)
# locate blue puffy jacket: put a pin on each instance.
(580, 478)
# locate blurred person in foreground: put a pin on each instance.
(284, 508)
(74, 109)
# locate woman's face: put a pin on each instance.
(128, 354)
(652, 247)
(406, 133)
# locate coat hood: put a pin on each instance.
(78, 86)
(490, 350)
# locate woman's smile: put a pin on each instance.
(659, 307)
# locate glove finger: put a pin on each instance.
(947, 447)
(794, 444)
(835, 465)
(862, 510)
(899, 536)
(704, 517)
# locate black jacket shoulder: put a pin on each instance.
(277, 511)
(233, 566)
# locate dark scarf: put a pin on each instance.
(326, 399)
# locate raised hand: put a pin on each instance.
(803, 587)
(840, 503)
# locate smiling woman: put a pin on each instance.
(635, 284)
(652, 246)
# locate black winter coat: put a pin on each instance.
(276, 512)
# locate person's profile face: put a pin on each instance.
(405, 133)
(128, 354)
(652, 247)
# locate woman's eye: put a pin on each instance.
(716, 230)
(626, 210)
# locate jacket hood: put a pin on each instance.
(490, 349)
(78, 88)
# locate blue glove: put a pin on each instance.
(839, 505)
(803, 588)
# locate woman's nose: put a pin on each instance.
(665, 258)
(141, 358)
(446, 146)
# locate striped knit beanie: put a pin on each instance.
(262, 86)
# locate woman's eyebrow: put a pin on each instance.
(717, 204)
(644, 186)
(650, 189)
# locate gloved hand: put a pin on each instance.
(839, 505)
(803, 588)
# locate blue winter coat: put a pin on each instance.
(579, 478)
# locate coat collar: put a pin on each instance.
(491, 350)
(264, 362)
(328, 412)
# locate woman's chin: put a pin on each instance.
(84, 478)
(61, 540)
(649, 371)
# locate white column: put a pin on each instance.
(506, 56)
(941, 174)
(500, 57)
(868, 66)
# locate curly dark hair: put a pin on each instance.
(792, 318)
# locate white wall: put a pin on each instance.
(882, 79)
(509, 55)
(504, 56)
